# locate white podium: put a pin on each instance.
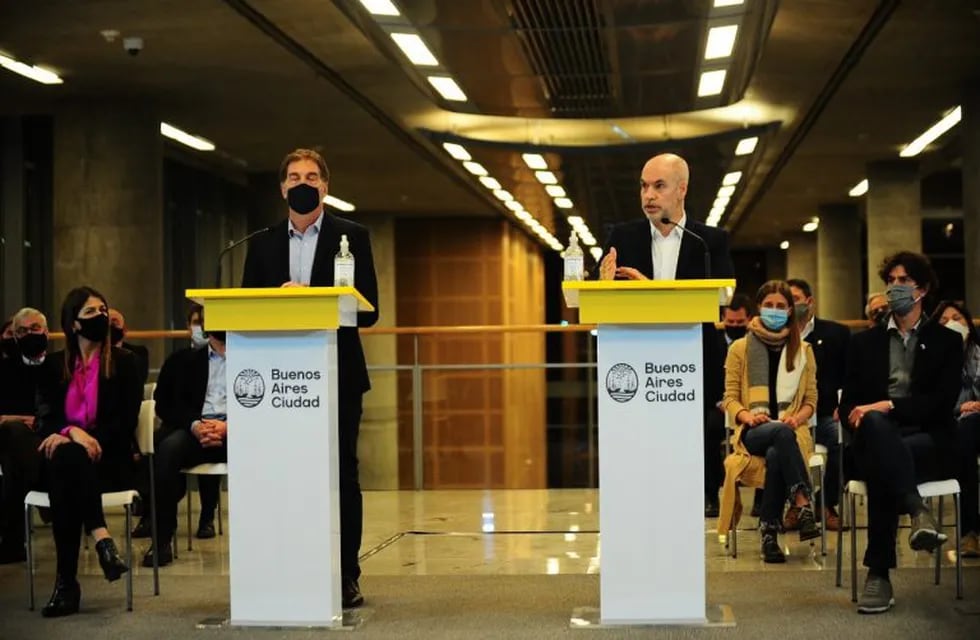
(651, 443)
(283, 486)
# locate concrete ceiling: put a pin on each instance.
(827, 84)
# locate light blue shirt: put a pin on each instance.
(302, 250)
(216, 397)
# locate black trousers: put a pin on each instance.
(968, 448)
(891, 465)
(178, 449)
(714, 435)
(208, 486)
(21, 466)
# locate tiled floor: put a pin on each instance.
(499, 532)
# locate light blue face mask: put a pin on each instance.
(198, 339)
(774, 319)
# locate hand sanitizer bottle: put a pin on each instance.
(343, 265)
(574, 260)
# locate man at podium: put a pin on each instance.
(299, 252)
(667, 245)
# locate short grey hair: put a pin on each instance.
(25, 313)
(872, 296)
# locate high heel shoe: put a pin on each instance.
(112, 565)
(64, 600)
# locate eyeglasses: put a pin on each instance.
(20, 332)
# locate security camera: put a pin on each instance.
(133, 46)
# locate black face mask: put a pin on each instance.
(93, 328)
(734, 332)
(33, 345)
(116, 334)
(303, 198)
(220, 336)
(9, 347)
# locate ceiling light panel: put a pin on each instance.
(746, 146)
(457, 151)
(415, 49)
(534, 161)
(381, 7)
(711, 83)
(447, 88)
(721, 42)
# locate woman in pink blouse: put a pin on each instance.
(88, 406)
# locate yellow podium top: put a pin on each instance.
(645, 301)
(280, 308)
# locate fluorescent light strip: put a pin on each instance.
(35, 73)
(194, 142)
(720, 203)
(490, 183)
(457, 151)
(732, 178)
(523, 215)
(382, 7)
(514, 205)
(711, 83)
(725, 3)
(859, 189)
(447, 88)
(721, 42)
(746, 146)
(337, 203)
(563, 203)
(555, 191)
(475, 168)
(575, 220)
(503, 196)
(596, 253)
(414, 49)
(546, 177)
(534, 161)
(716, 212)
(724, 192)
(931, 134)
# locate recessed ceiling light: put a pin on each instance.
(746, 146)
(563, 203)
(728, 191)
(732, 178)
(490, 183)
(337, 203)
(711, 83)
(35, 73)
(503, 196)
(414, 48)
(812, 225)
(931, 134)
(859, 189)
(194, 142)
(534, 161)
(555, 190)
(382, 7)
(447, 88)
(784, 245)
(721, 42)
(546, 177)
(457, 151)
(475, 168)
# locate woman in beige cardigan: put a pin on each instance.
(770, 394)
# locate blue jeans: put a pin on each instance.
(826, 435)
(786, 472)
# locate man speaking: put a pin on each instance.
(299, 252)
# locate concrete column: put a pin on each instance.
(801, 257)
(971, 197)
(12, 208)
(377, 446)
(108, 211)
(839, 262)
(894, 212)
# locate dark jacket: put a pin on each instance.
(933, 388)
(142, 360)
(18, 386)
(181, 387)
(633, 241)
(267, 265)
(829, 341)
(118, 408)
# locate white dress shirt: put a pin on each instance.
(666, 249)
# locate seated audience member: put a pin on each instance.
(829, 343)
(900, 386)
(165, 394)
(194, 412)
(88, 402)
(954, 316)
(770, 393)
(18, 386)
(117, 326)
(736, 317)
(876, 310)
(8, 346)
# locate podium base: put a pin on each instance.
(715, 615)
(351, 620)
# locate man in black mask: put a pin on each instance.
(299, 252)
(18, 384)
(117, 332)
(736, 317)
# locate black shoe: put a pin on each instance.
(926, 534)
(64, 600)
(11, 553)
(771, 553)
(165, 558)
(351, 591)
(205, 530)
(710, 508)
(112, 565)
(808, 524)
(143, 529)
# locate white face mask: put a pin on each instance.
(959, 328)
(198, 339)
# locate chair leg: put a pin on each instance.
(734, 541)
(823, 515)
(959, 556)
(221, 528)
(129, 557)
(30, 557)
(854, 578)
(154, 539)
(840, 550)
(190, 504)
(939, 550)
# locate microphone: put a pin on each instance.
(707, 253)
(232, 245)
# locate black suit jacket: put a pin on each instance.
(633, 241)
(142, 360)
(267, 265)
(933, 389)
(181, 387)
(18, 386)
(118, 407)
(829, 341)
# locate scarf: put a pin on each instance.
(759, 342)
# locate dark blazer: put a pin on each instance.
(933, 389)
(18, 386)
(118, 408)
(829, 341)
(181, 387)
(267, 265)
(142, 360)
(633, 241)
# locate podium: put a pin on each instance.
(651, 444)
(283, 482)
